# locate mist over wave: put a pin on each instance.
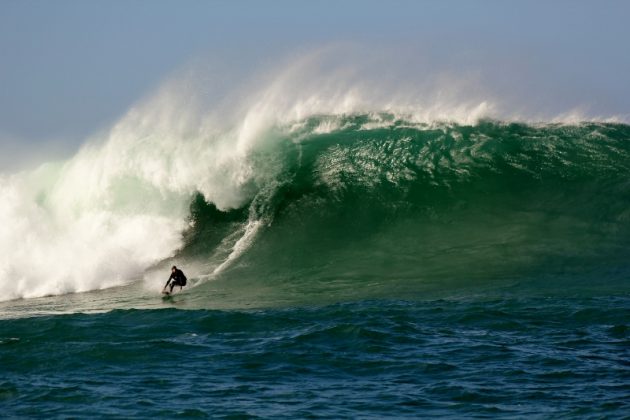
(323, 168)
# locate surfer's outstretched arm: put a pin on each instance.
(167, 281)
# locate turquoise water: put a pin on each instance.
(381, 270)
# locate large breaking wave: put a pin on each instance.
(319, 182)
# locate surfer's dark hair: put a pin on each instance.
(173, 267)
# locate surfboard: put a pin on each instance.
(166, 293)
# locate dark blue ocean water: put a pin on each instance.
(538, 357)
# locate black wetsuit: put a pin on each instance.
(178, 277)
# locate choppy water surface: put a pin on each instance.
(513, 357)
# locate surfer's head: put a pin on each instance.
(173, 268)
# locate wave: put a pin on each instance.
(321, 182)
(355, 198)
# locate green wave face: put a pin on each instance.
(400, 210)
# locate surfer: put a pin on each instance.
(177, 278)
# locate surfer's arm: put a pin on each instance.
(167, 281)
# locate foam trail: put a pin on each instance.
(240, 246)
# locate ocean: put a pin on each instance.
(352, 265)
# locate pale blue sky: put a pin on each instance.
(70, 68)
